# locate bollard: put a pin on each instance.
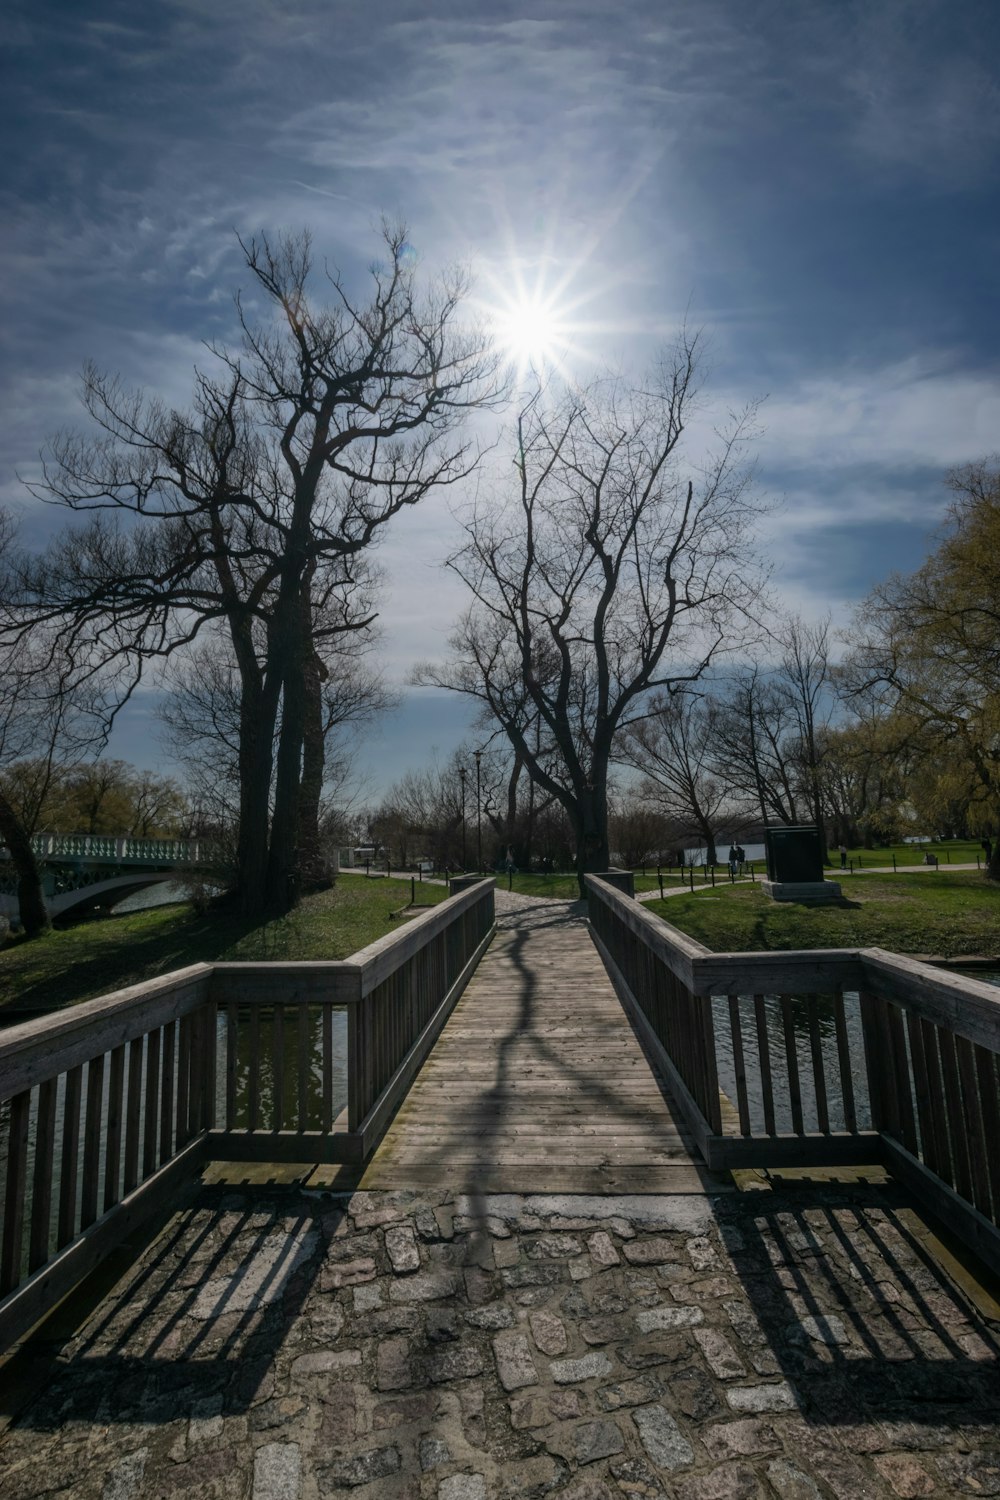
(894, 863)
(713, 877)
(691, 872)
(413, 891)
(659, 876)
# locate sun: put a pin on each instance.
(532, 332)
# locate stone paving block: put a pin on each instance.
(727, 1482)
(548, 1332)
(828, 1329)
(425, 1286)
(515, 1366)
(393, 1365)
(668, 1318)
(277, 1472)
(433, 1453)
(602, 1250)
(764, 1397)
(649, 1252)
(363, 1468)
(553, 1247)
(636, 1392)
(662, 1439)
(741, 1439)
(720, 1356)
(594, 1440)
(906, 1474)
(401, 1246)
(636, 1480)
(125, 1478)
(789, 1482)
(569, 1371)
(494, 1315)
(463, 1487)
(326, 1362)
(459, 1362)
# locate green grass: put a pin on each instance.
(562, 886)
(948, 851)
(110, 953)
(950, 914)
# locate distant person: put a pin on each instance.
(741, 858)
(843, 856)
(988, 849)
(733, 860)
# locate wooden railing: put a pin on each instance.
(105, 1107)
(821, 1058)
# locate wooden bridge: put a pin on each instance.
(554, 1055)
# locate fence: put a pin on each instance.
(111, 1103)
(827, 1057)
(118, 848)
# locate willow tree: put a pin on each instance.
(605, 570)
(254, 511)
(927, 644)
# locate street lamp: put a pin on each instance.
(463, 773)
(479, 813)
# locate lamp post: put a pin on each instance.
(463, 773)
(479, 813)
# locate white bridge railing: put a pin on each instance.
(118, 849)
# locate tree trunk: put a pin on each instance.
(311, 863)
(590, 818)
(283, 881)
(35, 917)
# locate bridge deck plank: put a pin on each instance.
(538, 1077)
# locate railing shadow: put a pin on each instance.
(847, 1304)
(214, 1300)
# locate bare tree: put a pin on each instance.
(607, 573)
(673, 749)
(255, 510)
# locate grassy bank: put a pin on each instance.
(951, 914)
(109, 953)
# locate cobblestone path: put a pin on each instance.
(285, 1344)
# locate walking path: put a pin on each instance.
(538, 1076)
(446, 1340)
(438, 1346)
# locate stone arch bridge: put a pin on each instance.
(81, 871)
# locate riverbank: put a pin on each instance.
(110, 953)
(946, 913)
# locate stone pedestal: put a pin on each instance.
(816, 891)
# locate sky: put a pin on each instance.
(814, 185)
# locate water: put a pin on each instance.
(752, 853)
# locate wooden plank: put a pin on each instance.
(167, 1055)
(955, 1114)
(113, 1129)
(764, 1061)
(133, 1115)
(183, 1081)
(326, 1121)
(989, 1103)
(253, 1072)
(816, 1053)
(929, 1145)
(942, 1166)
(974, 1131)
(151, 1104)
(12, 1238)
(305, 1051)
(898, 1062)
(210, 1031)
(278, 1068)
(844, 1064)
(41, 1191)
(92, 1141)
(792, 1065)
(232, 1045)
(838, 1149)
(69, 1157)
